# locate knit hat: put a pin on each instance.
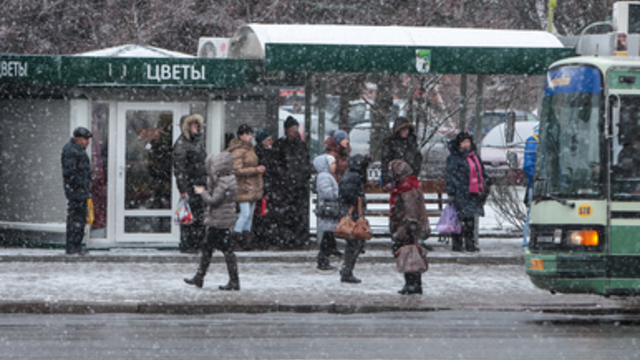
(291, 121)
(261, 135)
(340, 135)
(244, 129)
(330, 159)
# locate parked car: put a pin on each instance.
(495, 148)
(492, 118)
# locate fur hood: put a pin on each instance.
(400, 170)
(186, 122)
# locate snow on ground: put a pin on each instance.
(445, 285)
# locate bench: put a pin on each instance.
(378, 205)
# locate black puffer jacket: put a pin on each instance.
(294, 166)
(352, 183)
(76, 171)
(396, 147)
(189, 155)
(457, 177)
(267, 158)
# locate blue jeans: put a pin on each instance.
(525, 243)
(245, 220)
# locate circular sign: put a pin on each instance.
(585, 210)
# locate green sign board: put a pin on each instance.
(136, 72)
(411, 59)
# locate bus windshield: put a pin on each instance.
(569, 157)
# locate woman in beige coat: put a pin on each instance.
(249, 177)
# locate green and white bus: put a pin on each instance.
(585, 213)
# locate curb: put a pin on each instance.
(480, 260)
(83, 308)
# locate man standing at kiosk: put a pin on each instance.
(76, 172)
(189, 155)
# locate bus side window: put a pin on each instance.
(626, 147)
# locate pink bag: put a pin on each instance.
(183, 214)
(449, 223)
(412, 258)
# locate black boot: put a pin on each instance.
(323, 253)
(236, 239)
(332, 245)
(470, 244)
(232, 268)
(247, 241)
(456, 243)
(205, 261)
(404, 290)
(413, 285)
(350, 257)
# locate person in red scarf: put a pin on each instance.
(408, 217)
(467, 189)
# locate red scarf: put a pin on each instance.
(476, 183)
(409, 183)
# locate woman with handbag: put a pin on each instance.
(467, 188)
(408, 222)
(220, 216)
(328, 209)
(352, 194)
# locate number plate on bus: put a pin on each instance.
(536, 264)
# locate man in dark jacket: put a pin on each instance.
(401, 145)
(189, 155)
(76, 171)
(291, 192)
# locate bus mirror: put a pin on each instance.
(512, 160)
(510, 127)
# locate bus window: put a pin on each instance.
(626, 150)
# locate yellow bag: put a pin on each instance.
(90, 215)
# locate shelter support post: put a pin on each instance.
(478, 139)
(215, 126)
(322, 105)
(463, 103)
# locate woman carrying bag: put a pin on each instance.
(467, 188)
(328, 209)
(352, 194)
(220, 216)
(408, 222)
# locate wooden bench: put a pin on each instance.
(434, 197)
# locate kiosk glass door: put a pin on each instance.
(146, 190)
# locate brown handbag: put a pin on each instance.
(412, 258)
(349, 229)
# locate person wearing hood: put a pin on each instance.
(467, 187)
(189, 155)
(220, 216)
(328, 209)
(408, 217)
(352, 188)
(249, 177)
(263, 221)
(337, 145)
(403, 145)
(291, 195)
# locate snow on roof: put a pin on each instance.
(133, 50)
(390, 35)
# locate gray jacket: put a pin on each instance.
(221, 192)
(327, 188)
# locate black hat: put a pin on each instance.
(462, 136)
(244, 129)
(291, 121)
(82, 132)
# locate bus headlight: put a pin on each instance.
(583, 237)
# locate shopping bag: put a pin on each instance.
(261, 207)
(412, 258)
(350, 229)
(183, 214)
(90, 213)
(448, 223)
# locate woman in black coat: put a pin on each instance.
(467, 188)
(263, 225)
(352, 188)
